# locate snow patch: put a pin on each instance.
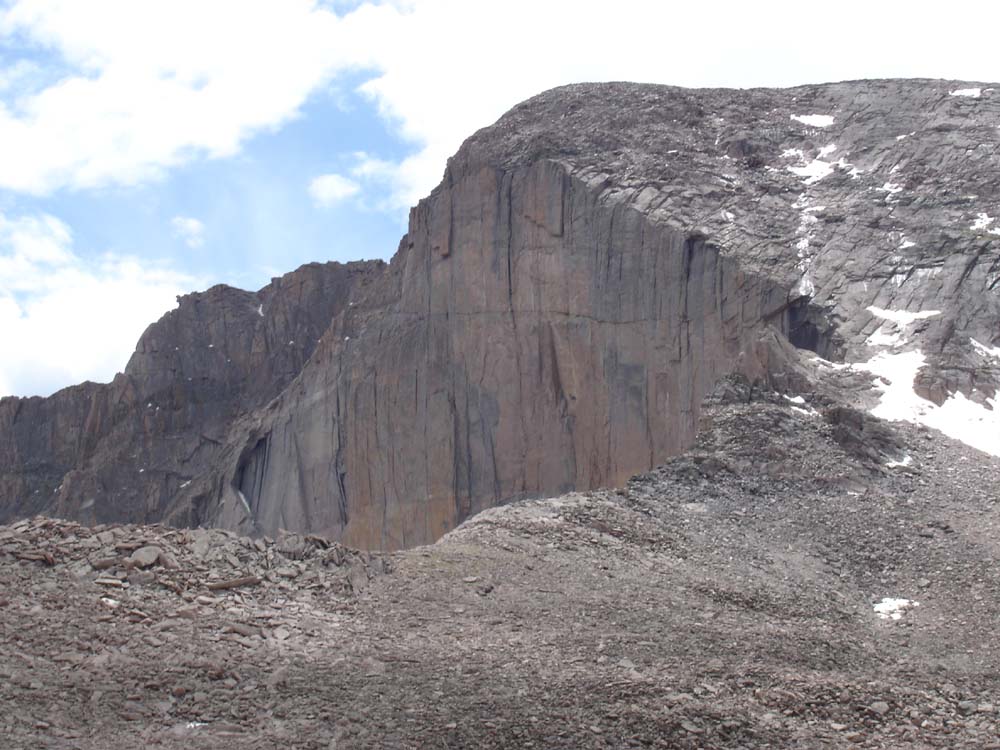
(805, 287)
(985, 350)
(973, 93)
(906, 460)
(893, 609)
(958, 417)
(882, 337)
(816, 121)
(827, 150)
(185, 484)
(983, 221)
(902, 317)
(243, 499)
(260, 310)
(904, 243)
(827, 363)
(813, 171)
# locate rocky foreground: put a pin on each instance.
(744, 595)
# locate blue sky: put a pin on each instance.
(150, 148)
(259, 219)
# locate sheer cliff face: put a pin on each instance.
(587, 270)
(538, 340)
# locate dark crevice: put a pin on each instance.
(808, 327)
(250, 472)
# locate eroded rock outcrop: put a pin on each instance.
(588, 269)
(125, 450)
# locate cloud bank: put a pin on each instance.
(64, 319)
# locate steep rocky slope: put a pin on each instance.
(588, 269)
(743, 595)
(124, 450)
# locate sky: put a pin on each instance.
(150, 148)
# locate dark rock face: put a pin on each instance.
(125, 450)
(586, 272)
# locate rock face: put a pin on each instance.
(588, 269)
(125, 450)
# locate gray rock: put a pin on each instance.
(879, 707)
(146, 556)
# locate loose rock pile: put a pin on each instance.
(728, 599)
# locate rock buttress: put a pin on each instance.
(543, 337)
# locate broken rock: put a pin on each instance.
(146, 556)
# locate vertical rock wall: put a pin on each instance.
(542, 338)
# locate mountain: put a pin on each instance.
(588, 270)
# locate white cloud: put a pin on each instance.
(190, 230)
(327, 189)
(449, 67)
(152, 84)
(69, 319)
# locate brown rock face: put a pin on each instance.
(539, 340)
(588, 269)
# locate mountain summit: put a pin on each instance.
(588, 270)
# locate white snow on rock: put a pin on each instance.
(805, 287)
(984, 350)
(260, 310)
(974, 93)
(892, 333)
(816, 121)
(799, 405)
(902, 317)
(813, 171)
(904, 461)
(828, 364)
(984, 221)
(958, 417)
(806, 412)
(893, 609)
(243, 499)
(882, 337)
(905, 243)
